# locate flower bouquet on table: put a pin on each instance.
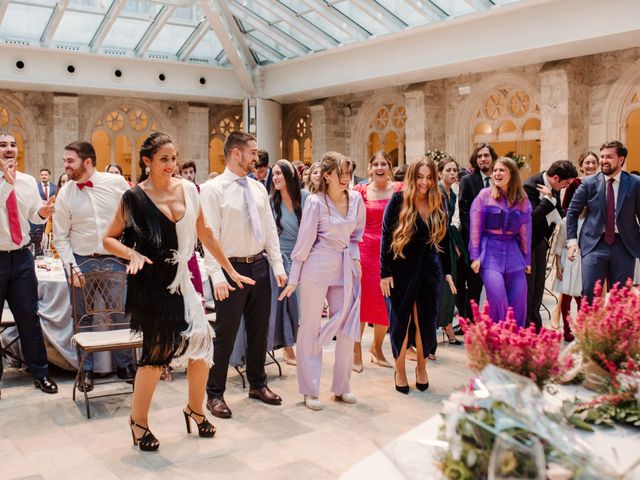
(436, 155)
(497, 428)
(521, 160)
(506, 345)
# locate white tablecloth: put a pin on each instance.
(413, 454)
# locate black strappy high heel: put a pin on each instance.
(205, 429)
(421, 386)
(147, 442)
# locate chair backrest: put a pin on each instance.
(103, 284)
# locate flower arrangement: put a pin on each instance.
(436, 155)
(520, 160)
(504, 344)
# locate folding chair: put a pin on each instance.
(103, 286)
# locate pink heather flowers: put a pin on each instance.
(608, 330)
(504, 344)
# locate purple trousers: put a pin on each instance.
(506, 290)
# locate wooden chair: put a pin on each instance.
(103, 284)
(7, 321)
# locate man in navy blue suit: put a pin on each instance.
(610, 237)
(46, 189)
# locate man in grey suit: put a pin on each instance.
(610, 236)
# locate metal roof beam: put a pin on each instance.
(152, 32)
(54, 21)
(380, 14)
(194, 39)
(337, 19)
(241, 64)
(264, 49)
(234, 30)
(256, 21)
(107, 22)
(3, 10)
(428, 9)
(299, 23)
(480, 5)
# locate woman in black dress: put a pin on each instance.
(414, 238)
(158, 221)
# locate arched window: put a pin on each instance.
(386, 132)
(228, 122)
(10, 121)
(297, 136)
(632, 127)
(509, 119)
(118, 135)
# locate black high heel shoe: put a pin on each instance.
(400, 389)
(421, 386)
(205, 429)
(147, 442)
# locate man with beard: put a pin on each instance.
(19, 204)
(238, 211)
(84, 210)
(470, 283)
(610, 236)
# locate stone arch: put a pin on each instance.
(222, 122)
(292, 130)
(460, 144)
(359, 142)
(26, 127)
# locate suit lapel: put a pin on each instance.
(622, 192)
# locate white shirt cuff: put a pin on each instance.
(571, 242)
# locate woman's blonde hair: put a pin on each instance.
(515, 192)
(310, 186)
(436, 220)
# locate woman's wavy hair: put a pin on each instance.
(332, 161)
(436, 217)
(310, 186)
(293, 186)
(515, 192)
(149, 147)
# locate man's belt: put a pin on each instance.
(249, 259)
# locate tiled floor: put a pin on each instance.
(47, 436)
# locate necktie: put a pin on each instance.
(487, 182)
(610, 217)
(46, 190)
(88, 183)
(14, 220)
(253, 210)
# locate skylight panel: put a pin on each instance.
(170, 39)
(126, 33)
(24, 22)
(363, 19)
(77, 28)
(404, 12)
(209, 47)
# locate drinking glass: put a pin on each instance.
(517, 457)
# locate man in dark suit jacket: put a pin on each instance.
(46, 189)
(610, 236)
(543, 190)
(470, 283)
(262, 171)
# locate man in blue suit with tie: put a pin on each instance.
(610, 237)
(46, 189)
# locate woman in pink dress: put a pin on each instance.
(376, 194)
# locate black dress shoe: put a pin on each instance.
(400, 388)
(46, 384)
(88, 381)
(218, 407)
(126, 373)
(265, 395)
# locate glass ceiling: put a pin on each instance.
(183, 30)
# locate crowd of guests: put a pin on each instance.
(300, 256)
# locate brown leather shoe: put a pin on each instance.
(265, 395)
(218, 407)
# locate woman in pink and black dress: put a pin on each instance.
(376, 194)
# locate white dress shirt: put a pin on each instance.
(83, 216)
(553, 216)
(226, 211)
(29, 202)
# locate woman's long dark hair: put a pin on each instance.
(149, 147)
(293, 186)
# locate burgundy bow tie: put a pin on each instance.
(88, 183)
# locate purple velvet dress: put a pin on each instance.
(500, 238)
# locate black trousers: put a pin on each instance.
(19, 287)
(469, 285)
(254, 302)
(535, 284)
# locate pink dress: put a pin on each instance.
(372, 309)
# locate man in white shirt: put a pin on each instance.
(237, 210)
(19, 204)
(84, 210)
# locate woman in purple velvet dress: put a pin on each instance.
(500, 241)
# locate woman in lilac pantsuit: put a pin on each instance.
(326, 264)
(500, 241)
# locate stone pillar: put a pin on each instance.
(267, 126)
(415, 126)
(64, 130)
(435, 116)
(318, 132)
(196, 140)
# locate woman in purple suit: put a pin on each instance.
(500, 241)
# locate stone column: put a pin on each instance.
(554, 116)
(415, 126)
(318, 132)
(64, 130)
(196, 140)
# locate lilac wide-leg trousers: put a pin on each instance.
(506, 290)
